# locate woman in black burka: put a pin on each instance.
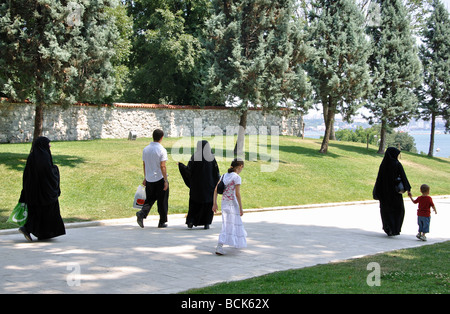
(392, 208)
(40, 192)
(201, 176)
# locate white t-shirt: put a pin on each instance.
(152, 156)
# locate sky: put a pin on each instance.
(447, 4)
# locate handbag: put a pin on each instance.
(399, 187)
(19, 214)
(139, 197)
(221, 186)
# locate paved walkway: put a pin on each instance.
(120, 257)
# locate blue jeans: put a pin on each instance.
(424, 224)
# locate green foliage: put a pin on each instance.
(395, 68)
(401, 140)
(57, 51)
(122, 48)
(167, 50)
(245, 52)
(435, 56)
(359, 135)
(338, 70)
(250, 45)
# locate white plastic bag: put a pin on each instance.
(139, 197)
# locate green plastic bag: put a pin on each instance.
(19, 214)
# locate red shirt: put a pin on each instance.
(425, 202)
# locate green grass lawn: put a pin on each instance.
(99, 177)
(420, 270)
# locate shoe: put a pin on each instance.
(219, 250)
(190, 225)
(206, 227)
(140, 221)
(26, 234)
(418, 236)
(423, 238)
(162, 225)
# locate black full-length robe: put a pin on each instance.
(41, 191)
(201, 176)
(392, 209)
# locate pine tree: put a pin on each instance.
(167, 50)
(56, 52)
(435, 56)
(339, 70)
(122, 53)
(395, 67)
(251, 57)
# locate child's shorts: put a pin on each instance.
(424, 224)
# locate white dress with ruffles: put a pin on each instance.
(233, 232)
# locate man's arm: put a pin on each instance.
(144, 183)
(164, 173)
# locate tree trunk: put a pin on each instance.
(40, 102)
(382, 138)
(239, 147)
(328, 126)
(38, 121)
(332, 131)
(325, 117)
(433, 126)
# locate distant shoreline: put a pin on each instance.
(421, 138)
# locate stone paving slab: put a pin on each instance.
(120, 257)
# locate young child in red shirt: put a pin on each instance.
(423, 213)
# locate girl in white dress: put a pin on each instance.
(233, 232)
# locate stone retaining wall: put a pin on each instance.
(85, 122)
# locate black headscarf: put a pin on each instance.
(201, 174)
(40, 177)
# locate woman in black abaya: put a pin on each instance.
(201, 176)
(392, 208)
(40, 192)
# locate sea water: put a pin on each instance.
(422, 140)
(441, 143)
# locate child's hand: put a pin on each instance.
(409, 194)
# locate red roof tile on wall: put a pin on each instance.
(147, 106)
(159, 106)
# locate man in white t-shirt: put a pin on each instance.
(154, 158)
